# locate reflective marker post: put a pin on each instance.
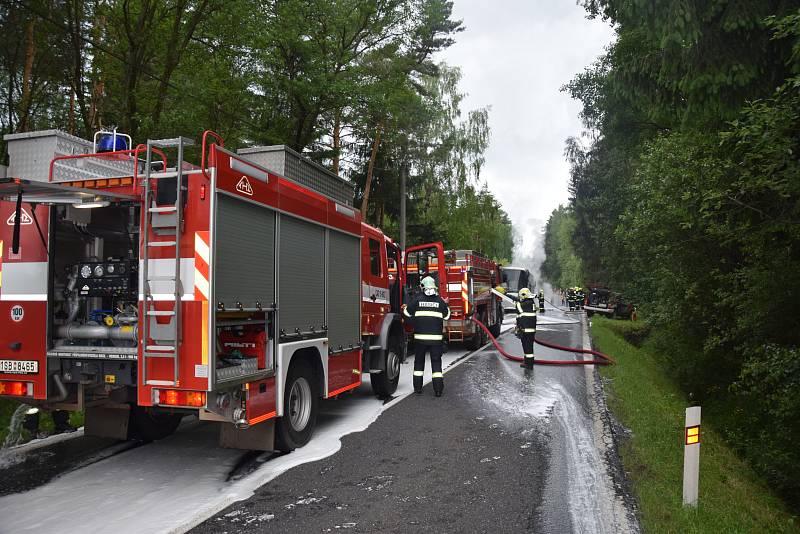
(691, 456)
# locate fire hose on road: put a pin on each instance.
(600, 358)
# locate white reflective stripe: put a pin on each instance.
(529, 356)
(201, 284)
(433, 337)
(428, 314)
(446, 317)
(527, 314)
(454, 287)
(437, 375)
(419, 373)
(405, 312)
(168, 296)
(24, 297)
(529, 330)
(519, 307)
(201, 248)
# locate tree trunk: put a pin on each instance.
(337, 140)
(370, 168)
(27, 79)
(95, 119)
(176, 46)
(78, 96)
(71, 115)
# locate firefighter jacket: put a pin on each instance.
(428, 314)
(526, 315)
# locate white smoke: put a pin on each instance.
(529, 246)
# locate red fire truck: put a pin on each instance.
(140, 288)
(466, 279)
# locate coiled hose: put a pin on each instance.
(600, 358)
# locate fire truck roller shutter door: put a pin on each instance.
(301, 303)
(344, 296)
(245, 245)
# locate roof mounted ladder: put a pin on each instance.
(162, 341)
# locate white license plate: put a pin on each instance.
(19, 367)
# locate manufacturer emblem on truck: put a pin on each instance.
(244, 186)
(26, 218)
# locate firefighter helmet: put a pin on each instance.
(525, 293)
(428, 285)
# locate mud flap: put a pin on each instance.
(260, 437)
(108, 421)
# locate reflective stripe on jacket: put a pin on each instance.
(428, 314)
(526, 314)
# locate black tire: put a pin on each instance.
(384, 384)
(300, 408)
(147, 425)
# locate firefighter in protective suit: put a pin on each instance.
(526, 323)
(541, 301)
(428, 313)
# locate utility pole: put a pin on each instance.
(403, 173)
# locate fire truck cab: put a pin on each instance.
(141, 288)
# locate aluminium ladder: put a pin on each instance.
(162, 341)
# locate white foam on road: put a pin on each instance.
(175, 484)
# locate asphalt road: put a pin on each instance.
(504, 450)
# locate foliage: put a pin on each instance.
(687, 198)
(562, 267)
(352, 83)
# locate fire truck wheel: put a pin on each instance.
(147, 425)
(300, 402)
(385, 384)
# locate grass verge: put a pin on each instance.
(646, 401)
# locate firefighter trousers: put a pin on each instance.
(436, 366)
(527, 347)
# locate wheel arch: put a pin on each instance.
(391, 326)
(315, 352)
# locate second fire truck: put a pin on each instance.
(465, 279)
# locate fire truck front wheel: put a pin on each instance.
(384, 384)
(300, 406)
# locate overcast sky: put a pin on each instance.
(515, 55)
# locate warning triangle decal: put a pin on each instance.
(244, 186)
(26, 219)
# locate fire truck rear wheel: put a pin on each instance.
(384, 384)
(300, 406)
(147, 425)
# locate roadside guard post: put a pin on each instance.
(691, 456)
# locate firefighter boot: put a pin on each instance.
(438, 384)
(418, 382)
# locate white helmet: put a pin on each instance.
(428, 286)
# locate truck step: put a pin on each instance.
(161, 279)
(173, 173)
(160, 313)
(161, 383)
(163, 209)
(160, 348)
(175, 141)
(168, 355)
(161, 244)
